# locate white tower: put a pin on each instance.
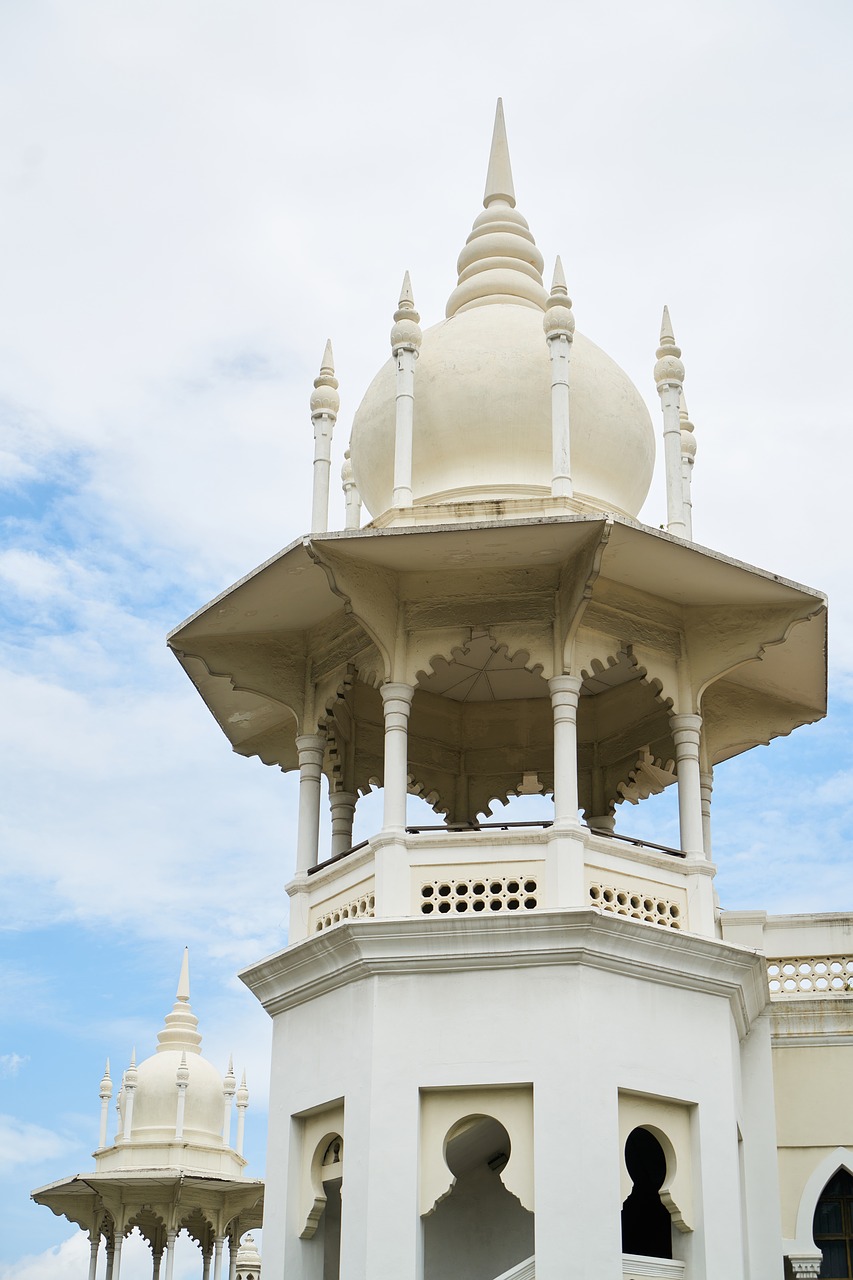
(499, 1049)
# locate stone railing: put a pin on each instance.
(508, 869)
(810, 976)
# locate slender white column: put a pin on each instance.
(183, 1079)
(111, 1253)
(94, 1246)
(157, 1257)
(130, 1078)
(217, 1257)
(565, 694)
(229, 1086)
(325, 403)
(559, 325)
(171, 1236)
(397, 700)
(686, 731)
(310, 747)
(405, 342)
(669, 375)
(342, 805)
(105, 1093)
(688, 455)
(706, 786)
(233, 1244)
(352, 498)
(242, 1105)
(116, 1271)
(205, 1264)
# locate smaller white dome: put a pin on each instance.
(156, 1103)
(173, 1107)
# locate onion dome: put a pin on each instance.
(482, 390)
(177, 1067)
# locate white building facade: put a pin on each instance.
(534, 1049)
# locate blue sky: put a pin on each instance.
(193, 198)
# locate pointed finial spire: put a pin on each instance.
(406, 334)
(499, 185)
(669, 368)
(558, 309)
(106, 1086)
(500, 261)
(131, 1074)
(183, 992)
(229, 1084)
(179, 1031)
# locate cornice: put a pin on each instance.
(361, 949)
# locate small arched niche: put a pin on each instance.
(479, 1229)
(646, 1223)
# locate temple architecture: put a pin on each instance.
(508, 1048)
(170, 1167)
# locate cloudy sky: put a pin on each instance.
(194, 194)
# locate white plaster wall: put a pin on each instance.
(579, 1035)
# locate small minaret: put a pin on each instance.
(325, 403)
(229, 1086)
(669, 375)
(242, 1104)
(182, 1080)
(559, 325)
(130, 1081)
(406, 339)
(352, 498)
(688, 455)
(105, 1093)
(248, 1260)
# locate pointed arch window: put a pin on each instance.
(833, 1227)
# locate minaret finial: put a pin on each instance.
(500, 262)
(325, 403)
(559, 326)
(183, 992)
(499, 184)
(179, 1030)
(406, 338)
(669, 375)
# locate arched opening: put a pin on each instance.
(646, 1224)
(625, 746)
(480, 1229)
(832, 1227)
(328, 1166)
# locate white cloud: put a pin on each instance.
(22, 1143)
(11, 1063)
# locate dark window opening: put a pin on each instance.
(646, 1224)
(833, 1227)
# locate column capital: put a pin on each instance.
(311, 748)
(565, 684)
(686, 727)
(395, 690)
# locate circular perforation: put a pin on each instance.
(636, 906)
(461, 897)
(360, 908)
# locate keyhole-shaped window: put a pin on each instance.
(646, 1224)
